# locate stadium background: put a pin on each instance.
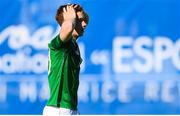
(131, 52)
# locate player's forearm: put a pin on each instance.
(66, 30)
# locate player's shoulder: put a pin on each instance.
(56, 43)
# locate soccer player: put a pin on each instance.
(64, 61)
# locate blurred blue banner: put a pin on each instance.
(130, 51)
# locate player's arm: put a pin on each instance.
(68, 25)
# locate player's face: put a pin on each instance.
(80, 25)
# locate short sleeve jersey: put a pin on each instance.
(63, 73)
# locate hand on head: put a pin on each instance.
(69, 13)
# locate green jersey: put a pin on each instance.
(63, 73)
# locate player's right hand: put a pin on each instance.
(69, 13)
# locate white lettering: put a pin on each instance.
(108, 92)
(44, 91)
(123, 89)
(167, 91)
(83, 91)
(176, 54)
(151, 91)
(141, 46)
(3, 90)
(121, 54)
(28, 91)
(162, 50)
(95, 91)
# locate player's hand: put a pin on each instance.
(69, 13)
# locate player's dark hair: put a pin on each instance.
(59, 13)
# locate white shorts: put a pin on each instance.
(55, 111)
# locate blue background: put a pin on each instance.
(104, 89)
